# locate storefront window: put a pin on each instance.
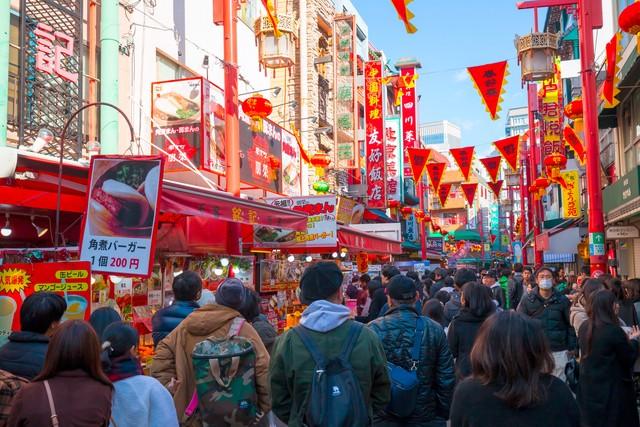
(168, 69)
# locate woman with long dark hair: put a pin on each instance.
(71, 389)
(511, 382)
(630, 304)
(578, 312)
(605, 393)
(477, 305)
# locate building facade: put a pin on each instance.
(517, 121)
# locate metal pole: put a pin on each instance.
(532, 91)
(423, 232)
(61, 160)
(109, 71)
(5, 27)
(589, 104)
(232, 129)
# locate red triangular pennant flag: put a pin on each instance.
(496, 187)
(509, 148)
(492, 237)
(492, 165)
(418, 158)
(443, 192)
(489, 80)
(435, 172)
(610, 87)
(469, 191)
(405, 14)
(574, 142)
(463, 158)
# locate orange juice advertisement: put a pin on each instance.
(71, 280)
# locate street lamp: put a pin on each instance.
(61, 160)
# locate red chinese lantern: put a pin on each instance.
(257, 108)
(427, 218)
(393, 204)
(539, 186)
(419, 214)
(573, 111)
(629, 19)
(554, 163)
(320, 161)
(406, 211)
(274, 166)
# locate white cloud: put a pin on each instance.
(461, 75)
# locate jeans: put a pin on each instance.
(560, 360)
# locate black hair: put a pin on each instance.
(529, 269)
(187, 286)
(478, 299)
(413, 275)
(120, 337)
(464, 275)
(103, 317)
(39, 310)
(505, 272)
(601, 311)
(434, 310)
(365, 278)
(389, 271)
(448, 281)
(442, 296)
(251, 308)
(585, 270)
(518, 267)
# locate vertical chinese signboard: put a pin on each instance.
(50, 82)
(393, 153)
(551, 110)
(571, 195)
(374, 135)
(72, 280)
(122, 214)
(345, 108)
(409, 111)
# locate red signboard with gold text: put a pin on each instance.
(374, 127)
(71, 280)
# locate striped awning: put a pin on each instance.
(551, 257)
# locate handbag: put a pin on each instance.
(52, 406)
(404, 383)
(572, 372)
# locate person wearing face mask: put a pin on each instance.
(551, 308)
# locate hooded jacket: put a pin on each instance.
(292, 367)
(396, 330)
(23, 355)
(173, 356)
(461, 336)
(168, 318)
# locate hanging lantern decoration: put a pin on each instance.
(257, 108)
(320, 161)
(321, 187)
(536, 54)
(554, 163)
(539, 187)
(427, 218)
(276, 46)
(419, 214)
(629, 21)
(406, 211)
(393, 204)
(574, 111)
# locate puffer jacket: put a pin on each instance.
(168, 318)
(553, 313)
(461, 336)
(23, 355)
(435, 370)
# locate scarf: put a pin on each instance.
(123, 367)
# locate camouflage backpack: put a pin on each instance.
(224, 370)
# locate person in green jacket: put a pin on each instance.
(505, 274)
(328, 322)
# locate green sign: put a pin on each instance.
(622, 191)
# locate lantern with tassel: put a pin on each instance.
(629, 20)
(419, 214)
(539, 187)
(554, 163)
(406, 211)
(257, 108)
(574, 111)
(320, 161)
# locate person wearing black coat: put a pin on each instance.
(605, 389)
(187, 288)
(435, 369)
(477, 305)
(25, 352)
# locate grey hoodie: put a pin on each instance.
(324, 316)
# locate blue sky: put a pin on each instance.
(453, 35)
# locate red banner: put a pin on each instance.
(435, 172)
(610, 88)
(443, 193)
(464, 159)
(492, 165)
(551, 110)
(417, 158)
(71, 280)
(409, 112)
(489, 81)
(374, 125)
(469, 191)
(496, 187)
(574, 141)
(509, 149)
(405, 14)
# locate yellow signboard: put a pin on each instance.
(571, 195)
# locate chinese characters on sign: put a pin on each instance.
(393, 154)
(571, 195)
(375, 134)
(53, 49)
(489, 81)
(551, 110)
(463, 157)
(509, 148)
(409, 113)
(345, 107)
(121, 217)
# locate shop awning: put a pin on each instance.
(377, 215)
(189, 200)
(367, 242)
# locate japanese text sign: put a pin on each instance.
(53, 50)
(489, 80)
(443, 193)
(261, 154)
(409, 112)
(393, 155)
(463, 158)
(509, 148)
(571, 195)
(551, 110)
(72, 280)
(122, 213)
(374, 134)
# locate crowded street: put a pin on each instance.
(319, 213)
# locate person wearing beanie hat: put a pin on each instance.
(398, 330)
(328, 324)
(232, 293)
(137, 400)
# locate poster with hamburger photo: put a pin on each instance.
(121, 215)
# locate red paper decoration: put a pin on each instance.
(489, 80)
(575, 143)
(406, 211)
(435, 172)
(443, 193)
(629, 20)
(405, 14)
(463, 158)
(496, 187)
(492, 165)
(418, 158)
(509, 149)
(610, 87)
(469, 191)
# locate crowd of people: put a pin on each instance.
(498, 347)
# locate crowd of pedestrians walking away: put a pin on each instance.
(507, 346)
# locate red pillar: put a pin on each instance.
(532, 90)
(524, 195)
(423, 231)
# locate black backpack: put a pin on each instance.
(335, 398)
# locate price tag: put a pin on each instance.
(125, 285)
